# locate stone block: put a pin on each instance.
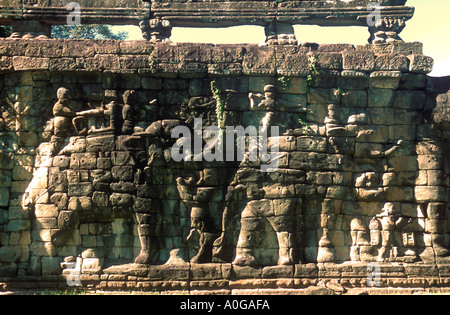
(51, 265)
(424, 194)
(46, 223)
(146, 205)
(437, 211)
(293, 64)
(292, 103)
(259, 60)
(354, 99)
(380, 97)
(404, 132)
(102, 62)
(313, 144)
(323, 96)
(420, 64)
(257, 208)
(206, 271)
(22, 173)
(46, 211)
(280, 272)
(285, 207)
(285, 143)
(368, 194)
(295, 85)
(246, 272)
(134, 61)
(10, 254)
(17, 225)
(67, 220)
(340, 193)
(6, 215)
(353, 80)
(22, 63)
(385, 79)
(392, 62)
(400, 194)
(227, 54)
(192, 70)
(195, 53)
(80, 204)
(359, 60)
(306, 271)
(118, 199)
(226, 69)
(169, 272)
(410, 100)
(61, 161)
(410, 81)
(136, 47)
(83, 161)
(407, 49)
(91, 266)
(80, 189)
(316, 113)
(119, 158)
(436, 226)
(78, 48)
(123, 173)
(63, 64)
(6, 161)
(6, 63)
(328, 61)
(406, 117)
(429, 162)
(318, 161)
(104, 163)
(4, 197)
(404, 163)
(60, 200)
(28, 138)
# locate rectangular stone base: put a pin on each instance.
(225, 279)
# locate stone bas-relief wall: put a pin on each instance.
(88, 180)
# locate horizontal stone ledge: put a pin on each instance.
(227, 271)
(246, 286)
(219, 60)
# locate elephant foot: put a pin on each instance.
(144, 258)
(244, 260)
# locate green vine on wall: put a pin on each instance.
(285, 82)
(309, 80)
(219, 104)
(306, 128)
(312, 72)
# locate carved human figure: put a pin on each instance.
(63, 113)
(391, 221)
(146, 150)
(224, 245)
(265, 103)
(203, 228)
(128, 113)
(268, 103)
(371, 160)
